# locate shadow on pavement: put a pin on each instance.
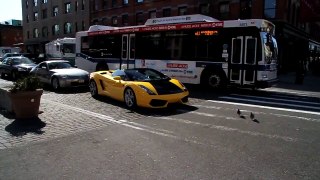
(172, 109)
(21, 127)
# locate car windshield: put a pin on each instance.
(144, 75)
(59, 65)
(23, 60)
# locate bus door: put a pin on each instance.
(128, 51)
(243, 60)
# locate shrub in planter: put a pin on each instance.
(25, 95)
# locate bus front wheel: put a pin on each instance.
(213, 80)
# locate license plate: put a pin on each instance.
(81, 81)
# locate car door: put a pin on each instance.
(42, 72)
(7, 66)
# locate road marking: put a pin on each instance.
(142, 127)
(264, 102)
(128, 124)
(277, 99)
(258, 112)
(224, 128)
(265, 107)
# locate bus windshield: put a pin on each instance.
(69, 48)
(270, 48)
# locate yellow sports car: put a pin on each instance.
(141, 87)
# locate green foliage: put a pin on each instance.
(29, 83)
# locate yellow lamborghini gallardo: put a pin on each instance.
(141, 87)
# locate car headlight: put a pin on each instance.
(147, 90)
(64, 76)
(183, 87)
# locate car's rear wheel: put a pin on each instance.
(55, 83)
(14, 75)
(130, 98)
(93, 88)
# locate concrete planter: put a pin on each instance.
(25, 104)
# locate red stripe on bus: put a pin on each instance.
(159, 28)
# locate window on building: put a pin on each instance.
(114, 21)
(55, 11)
(44, 14)
(224, 10)
(114, 3)
(44, 1)
(67, 8)
(95, 5)
(182, 10)
(204, 9)
(27, 18)
(139, 18)
(105, 4)
(245, 9)
(82, 4)
(83, 26)
(55, 29)
(35, 2)
(270, 9)
(139, 1)
(76, 4)
(27, 4)
(28, 35)
(67, 28)
(35, 16)
(35, 33)
(125, 2)
(125, 19)
(166, 12)
(152, 14)
(45, 31)
(76, 26)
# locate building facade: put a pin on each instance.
(10, 35)
(47, 20)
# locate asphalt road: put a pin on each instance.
(79, 137)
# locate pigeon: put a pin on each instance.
(240, 115)
(251, 116)
(239, 112)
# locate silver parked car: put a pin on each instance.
(59, 74)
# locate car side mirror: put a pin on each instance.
(117, 78)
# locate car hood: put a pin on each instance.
(25, 66)
(70, 71)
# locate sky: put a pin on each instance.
(10, 9)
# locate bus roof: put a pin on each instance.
(182, 22)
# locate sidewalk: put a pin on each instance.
(310, 83)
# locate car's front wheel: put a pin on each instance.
(55, 83)
(93, 88)
(130, 98)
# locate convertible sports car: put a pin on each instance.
(141, 87)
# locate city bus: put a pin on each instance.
(195, 49)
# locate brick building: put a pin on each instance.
(47, 20)
(10, 35)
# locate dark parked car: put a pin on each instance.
(16, 67)
(9, 55)
(60, 73)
